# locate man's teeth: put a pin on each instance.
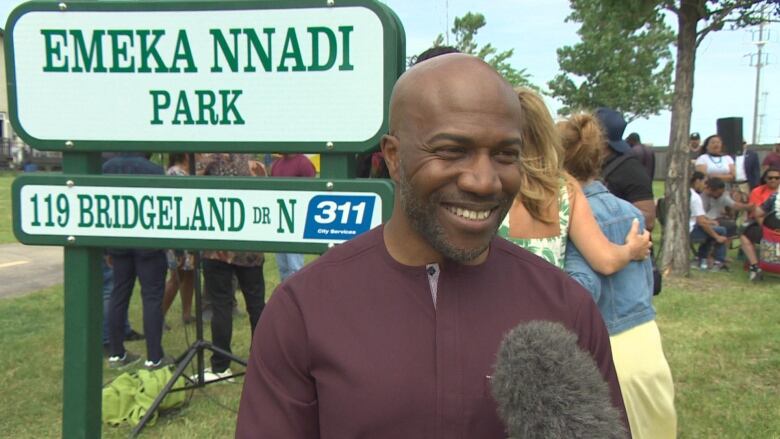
(474, 215)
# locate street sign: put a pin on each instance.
(270, 214)
(298, 76)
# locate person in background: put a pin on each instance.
(181, 263)
(108, 286)
(622, 173)
(219, 269)
(717, 204)
(149, 266)
(551, 207)
(772, 160)
(752, 233)
(642, 152)
(705, 230)
(291, 165)
(748, 169)
(394, 333)
(624, 298)
(770, 212)
(713, 162)
(694, 146)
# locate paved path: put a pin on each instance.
(27, 268)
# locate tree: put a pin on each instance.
(628, 69)
(713, 15)
(465, 30)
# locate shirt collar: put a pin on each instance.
(594, 187)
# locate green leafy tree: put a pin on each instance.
(695, 20)
(465, 30)
(628, 69)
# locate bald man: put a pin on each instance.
(394, 334)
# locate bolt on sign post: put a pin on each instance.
(297, 76)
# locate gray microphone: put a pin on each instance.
(547, 387)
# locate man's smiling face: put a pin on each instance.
(458, 170)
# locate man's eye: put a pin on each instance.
(508, 155)
(451, 151)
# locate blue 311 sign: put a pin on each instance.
(338, 216)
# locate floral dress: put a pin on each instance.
(179, 259)
(553, 248)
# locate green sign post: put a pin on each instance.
(197, 76)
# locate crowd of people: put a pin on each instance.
(501, 217)
(222, 270)
(722, 187)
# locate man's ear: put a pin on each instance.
(391, 149)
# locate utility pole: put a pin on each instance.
(760, 43)
(447, 21)
(762, 115)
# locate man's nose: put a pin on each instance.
(480, 176)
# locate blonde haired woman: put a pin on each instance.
(551, 208)
(625, 298)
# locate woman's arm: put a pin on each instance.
(730, 176)
(604, 256)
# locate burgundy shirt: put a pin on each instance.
(353, 347)
(293, 165)
(772, 160)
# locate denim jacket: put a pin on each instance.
(624, 298)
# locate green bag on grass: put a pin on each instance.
(129, 396)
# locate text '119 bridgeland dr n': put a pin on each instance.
(252, 210)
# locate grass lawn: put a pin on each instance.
(720, 335)
(658, 188)
(31, 338)
(6, 228)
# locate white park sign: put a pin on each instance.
(201, 78)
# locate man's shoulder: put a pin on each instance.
(623, 168)
(627, 162)
(695, 200)
(359, 254)
(760, 194)
(607, 208)
(629, 179)
(772, 157)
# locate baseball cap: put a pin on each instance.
(614, 125)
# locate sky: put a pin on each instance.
(724, 82)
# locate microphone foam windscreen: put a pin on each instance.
(547, 387)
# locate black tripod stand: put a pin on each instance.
(194, 351)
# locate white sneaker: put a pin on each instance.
(209, 375)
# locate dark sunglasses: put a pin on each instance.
(773, 177)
